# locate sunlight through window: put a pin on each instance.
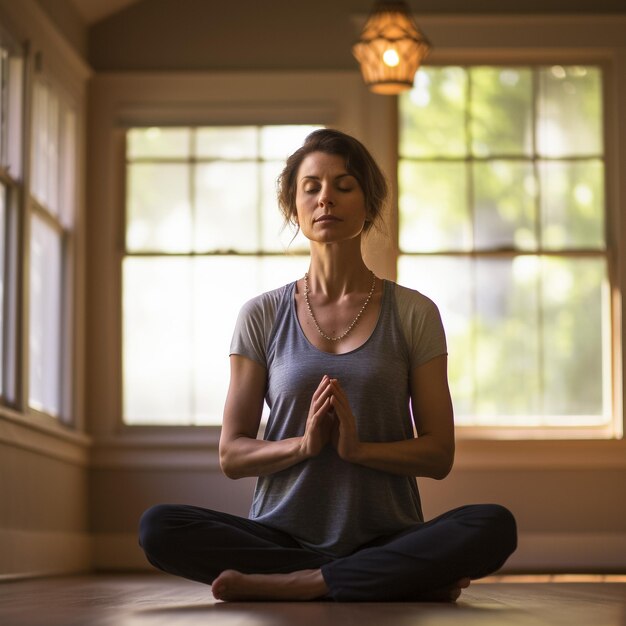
(502, 223)
(203, 235)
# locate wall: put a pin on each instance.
(569, 519)
(60, 495)
(44, 524)
(66, 19)
(566, 495)
(44, 518)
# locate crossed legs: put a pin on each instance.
(244, 560)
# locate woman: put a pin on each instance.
(349, 365)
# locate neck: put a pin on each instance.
(338, 269)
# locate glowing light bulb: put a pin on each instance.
(391, 57)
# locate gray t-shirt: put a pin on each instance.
(325, 503)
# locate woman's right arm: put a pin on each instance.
(241, 453)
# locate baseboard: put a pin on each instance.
(31, 553)
(537, 552)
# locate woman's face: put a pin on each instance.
(329, 201)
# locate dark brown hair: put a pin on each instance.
(359, 163)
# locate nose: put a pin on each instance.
(325, 198)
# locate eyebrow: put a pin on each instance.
(313, 177)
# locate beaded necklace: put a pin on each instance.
(354, 321)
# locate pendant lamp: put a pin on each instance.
(390, 48)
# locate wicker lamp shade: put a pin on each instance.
(390, 49)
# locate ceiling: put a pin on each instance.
(93, 11)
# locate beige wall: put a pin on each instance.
(68, 22)
(70, 502)
(41, 492)
(567, 495)
(44, 515)
(568, 519)
(44, 525)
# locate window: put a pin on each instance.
(203, 234)
(502, 222)
(52, 200)
(11, 85)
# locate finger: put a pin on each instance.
(337, 388)
(322, 385)
(324, 396)
(321, 410)
(319, 398)
(339, 410)
(339, 394)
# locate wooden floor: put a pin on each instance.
(151, 600)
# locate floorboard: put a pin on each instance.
(159, 600)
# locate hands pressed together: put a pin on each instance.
(330, 420)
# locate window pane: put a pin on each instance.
(226, 196)
(4, 80)
(158, 142)
(432, 114)
(572, 204)
(576, 326)
(15, 113)
(223, 142)
(179, 315)
(3, 217)
(67, 195)
(504, 211)
(45, 317)
(157, 340)
(218, 202)
(501, 111)
(569, 111)
(9, 292)
(45, 148)
(506, 349)
(158, 207)
(233, 281)
(449, 283)
(278, 142)
(39, 162)
(535, 324)
(51, 197)
(433, 207)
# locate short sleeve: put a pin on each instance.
(422, 326)
(253, 326)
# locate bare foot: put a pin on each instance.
(447, 594)
(231, 585)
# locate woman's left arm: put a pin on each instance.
(431, 453)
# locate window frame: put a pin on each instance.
(613, 429)
(196, 100)
(62, 219)
(556, 39)
(191, 162)
(11, 176)
(45, 52)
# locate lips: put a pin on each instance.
(326, 218)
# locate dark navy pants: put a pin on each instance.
(468, 542)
